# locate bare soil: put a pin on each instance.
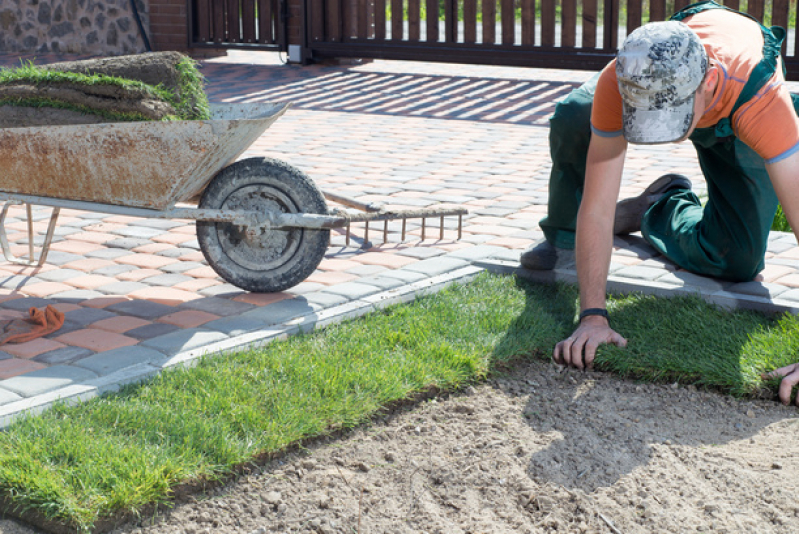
(538, 450)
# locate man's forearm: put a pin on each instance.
(593, 250)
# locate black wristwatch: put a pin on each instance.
(594, 311)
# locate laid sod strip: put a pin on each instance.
(82, 465)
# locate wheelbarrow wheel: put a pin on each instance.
(271, 260)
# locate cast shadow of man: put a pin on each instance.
(594, 427)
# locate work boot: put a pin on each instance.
(544, 256)
(630, 211)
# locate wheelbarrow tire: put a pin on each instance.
(273, 260)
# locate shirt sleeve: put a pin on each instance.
(606, 119)
(768, 123)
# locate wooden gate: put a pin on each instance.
(564, 34)
(258, 24)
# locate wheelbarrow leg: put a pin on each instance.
(31, 261)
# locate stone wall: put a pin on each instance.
(93, 27)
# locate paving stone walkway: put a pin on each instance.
(138, 296)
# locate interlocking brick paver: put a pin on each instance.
(33, 348)
(17, 366)
(44, 380)
(115, 360)
(119, 323)
(188, 318)
(96, 339)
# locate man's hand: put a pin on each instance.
(790, 374)
(579, 349)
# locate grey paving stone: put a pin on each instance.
(138, 232)
(193, 244)
(4, 355)
(641, 273)
(115, 360)
(63, 355)
(7, 396)
(791, 294)
(421, 252)
(56, 257)
(59, 275)
(383, 282)
(183, 340)
(143, 309)
(121, 288)
(757, 289)
(306, 287)
(181, 266)
(436, 266)
(152, 330)
(63, 231)
(113, 270)
(77, 295)
(701, 283)
(107, 253)
(280, 312)
(404, 275)
(26, 303)
(495, 212)
(364, 270)
(44, 380)
(218, 306)
(164, 224)
(14, 281)
(87, 316)
(352, 290)
(235, 326)
(66, 328)
(328, 299)
(127, 243)
(480, 252)
(167, 280)
(222, 290)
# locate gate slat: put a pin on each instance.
(334, 21)
(634, 15)
(202, 10)
(589, 23)
(233, 20)
(218, 21)
(508, 22)
(548, 22)
(679, 4)
(347, 23)
(489, 21)
(362, 18)
(396, 20)
(469, 21)
(317, 22)
(432, 21)
(248, 21)
(610, 33)
(568, 22)
(528, 22)
(733, 4)
(414, 26)
(779, 17)
(657, 10)
(756, 8)
(450, 21)
(380, 20)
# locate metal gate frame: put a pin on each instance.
(247, 24)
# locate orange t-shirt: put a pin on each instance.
(734, 43)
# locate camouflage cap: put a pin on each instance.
(659, 68)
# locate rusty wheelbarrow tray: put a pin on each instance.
(261, 224)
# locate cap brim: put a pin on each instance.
(656, 126)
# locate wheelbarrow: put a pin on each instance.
(262, 224)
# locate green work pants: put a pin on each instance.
(726, 238)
